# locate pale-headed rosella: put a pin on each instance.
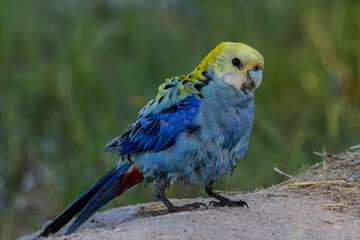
(194, 131)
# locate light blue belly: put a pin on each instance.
(225, 120)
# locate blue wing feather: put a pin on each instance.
(157, 131)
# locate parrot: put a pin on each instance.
(194, 131)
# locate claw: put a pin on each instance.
(203, 204)
(223, 201)
(187, 207)
(173, 209)
(229, 203)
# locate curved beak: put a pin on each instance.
(254, 78)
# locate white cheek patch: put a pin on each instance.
(234, 79)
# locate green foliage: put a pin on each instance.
(74, 74)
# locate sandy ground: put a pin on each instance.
(271, 215)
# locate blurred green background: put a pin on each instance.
(74, 74)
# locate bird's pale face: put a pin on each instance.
(238, 65)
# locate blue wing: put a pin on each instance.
(157, 131)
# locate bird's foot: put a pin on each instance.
(172, 209)
(229, 203)
(187, 207)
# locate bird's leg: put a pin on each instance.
(223, 201)
(160, 194)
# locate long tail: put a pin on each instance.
(113, 184)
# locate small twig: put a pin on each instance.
(314, 183)
(334, 205)
(333, 192)
(331, 166)
(327, 155)
(282, 173)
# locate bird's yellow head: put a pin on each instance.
(234, 63)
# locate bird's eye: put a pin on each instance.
(257, 67)
(236, 62)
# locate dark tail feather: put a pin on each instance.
(107, 193)
(117, 181)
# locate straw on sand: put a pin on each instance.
(337, 175)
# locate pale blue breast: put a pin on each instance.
(225, 120)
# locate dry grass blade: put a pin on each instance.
(337, 175)
(314, 183)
